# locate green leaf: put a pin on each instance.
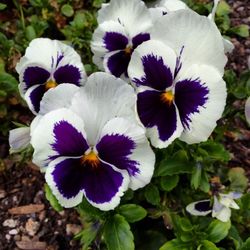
(245, 201)
(204, 184)
(175, 245)
(208, 245)
(216, 151)
(30, 33)
(177, 164)
(223, 9)
(80, 21)
(8, 83)
(52, 199)
(169, 182)
(87, 235)
(186, 225)
(67, 10)
(85, 209)
(152, 194)
(246, 245)
(218, 230)
(196, 176)
(2, 6)
(238, 179)
(241, 30)
(132, 212)
(117, 234)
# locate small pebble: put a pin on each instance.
(7, 236)
(13, 232)
(10, 223)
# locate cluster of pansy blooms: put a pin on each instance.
(93, 136)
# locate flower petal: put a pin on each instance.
(33, 75)
(199, 208)
(127, 13)
(58, 133)
(172, 5)
(139, 39)
(104, 185)
(68, 74)
(19, 138)
(58, 97)
(101, 99)
(161, 120)
(105, 39)
(65, 178)
(201, 103)
(152, 64)
(197, 34)
(124, 145)
(33, 97)
(116, 63)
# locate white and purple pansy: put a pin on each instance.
(179, 95)
(46, 64)
(85, 150)
(123, 25)
(220, 206)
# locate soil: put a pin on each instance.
(37, 225)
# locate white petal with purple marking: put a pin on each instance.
(201, 121)
(58, 133)
(197, 34)
(124, 145)
(101, 99)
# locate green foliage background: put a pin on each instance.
(183, 172)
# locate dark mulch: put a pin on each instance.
(22, 184)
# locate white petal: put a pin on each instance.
(141, 153)
(19, 138)
(58, 97)
(101, 99)
(203, 122)
(97, 44)
(223, 215)
(172, 5)
(193, 210)
(247, 110)
(200, 37)
(228, 45)
(43, 136)
(156, 13)
(132, 14)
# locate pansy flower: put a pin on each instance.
(179, 82)
(123, 25)
(46, 64)
(220, 207)
(94, 148)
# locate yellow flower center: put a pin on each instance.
(50, 84)
(128, 50)
(167, 97)
(90, 158)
